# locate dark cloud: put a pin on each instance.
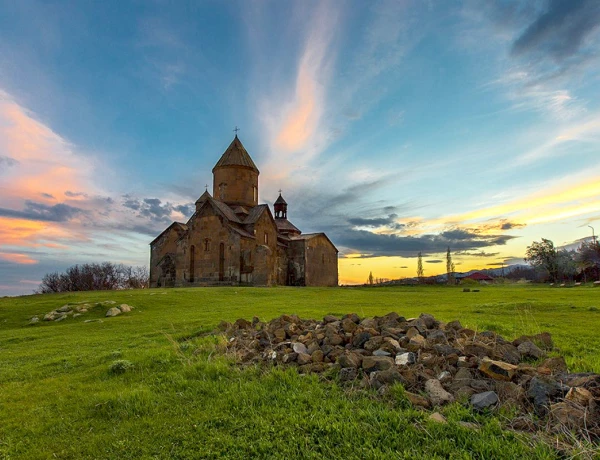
(154, 209)
(374, 223)
(7, 162)
(364, 242)
(47, 195)
(39, 211)
(507, 225)
(434, 261)
(75, 194)
(185, 209)
(560, 30)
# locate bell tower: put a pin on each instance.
(235, 177)
(280, 207)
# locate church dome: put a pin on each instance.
(236, 155)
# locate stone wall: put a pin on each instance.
(162, 246)
(235, 186)
(321, 262)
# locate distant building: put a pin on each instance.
(231, 239)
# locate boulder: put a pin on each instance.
(405, 359)
(126, 308)
(114, 311)
(350, 359)
(530, 350)
(542, 390)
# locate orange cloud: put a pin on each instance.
(21, 259)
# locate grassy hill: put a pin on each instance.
(63, 396)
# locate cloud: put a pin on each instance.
(373, 245)
(375, 222)
(15, 258)
(70, 194)
(475, 253)
(434, 261)
(42, 212)
(560, 30)
(7, 162)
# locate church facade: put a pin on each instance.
(231, 239)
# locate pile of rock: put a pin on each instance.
(76, 310)
(437, 363)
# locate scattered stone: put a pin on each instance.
(64, 309)
(438, 418)
(381, 353)
(304, 358)
(299, 348)
(481, 401)
(580, 395)
(542, 390)
(114, 311)
(417, 400)
(437, 395)
(34, 320)
(405, 359)
(555, 365)
(568, 414)
(445, 377)
(60, 318)
(124, 308)
(469, 425)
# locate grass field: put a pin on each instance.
(59, 397)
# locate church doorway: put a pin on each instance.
(221, 262)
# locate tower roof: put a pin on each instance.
(280, 200)
(236, 155)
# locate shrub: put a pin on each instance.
(120, 366)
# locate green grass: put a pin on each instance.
(151, 384)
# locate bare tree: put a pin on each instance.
(450, 268)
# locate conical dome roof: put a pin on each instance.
(280, 200)
(236, 155)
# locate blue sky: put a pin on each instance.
(394, 126)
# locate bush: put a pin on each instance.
(120, 366)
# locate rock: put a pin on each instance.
(60, 318)
(77, 314)
(287, 358)
(330, 319)
(454, 326)
(469, 425)
(436, 392)
(580, 396)
(124, 308)
(348, 325)
(436, 336)
(279, 334)
(416, 343)
(507, 352)
(348, 373)
(417, 400)
(239, 324)
(568, 414)
(444, 377)
(352, 360)
(304, 358)
(360, 339)
(437, 418)
(530, 350)
(64, 309)
(299, 348)
(376, 363)
(385, 377)
(405, 359)
(50, 316)
(541, 391)
(509, 392)
(381, 353)
(34, 320)
(481, 401)
(497, 370)
(317, 356)
(114, 311)
(555, 365)
(428, 320)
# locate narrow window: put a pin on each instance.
(266, 238)
(192, 256)
(255, 193)
(207, 244)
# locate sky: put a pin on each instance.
(396, 127)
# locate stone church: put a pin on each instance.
(231, 239)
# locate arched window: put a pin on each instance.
(255, 193)
(207, 245)
(192, 257)
(266, 238)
